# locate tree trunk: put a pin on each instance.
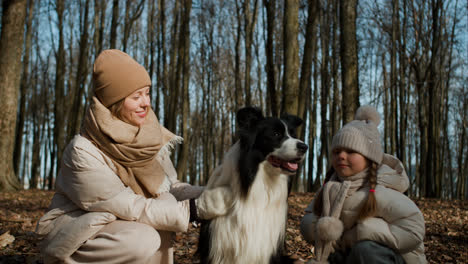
(250, 19)
(290, 101)
(349, 59)
(393, 117)
(99, 24)
(306, 68)
(114, 24)
(172, 90)
(60, 102)
(77, 96)
(161, 56)
(237, 73)
(270, 6)
(324, 91)
(130, 17)
(335, 116)
(23, 89)
(185, 38)
(11, 46)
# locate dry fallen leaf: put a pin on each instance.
(6, 239)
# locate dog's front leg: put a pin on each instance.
(214, 202)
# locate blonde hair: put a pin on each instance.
(370, 207)
(116, 109)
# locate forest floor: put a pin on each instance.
(446, 229)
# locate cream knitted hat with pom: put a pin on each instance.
(361, 135)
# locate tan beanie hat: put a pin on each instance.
(361, 134)
(117, 75)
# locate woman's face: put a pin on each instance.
(136, 106)
(347, 162)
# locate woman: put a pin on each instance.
(117, 196)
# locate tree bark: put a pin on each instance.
(60, 102)
(250, 19)
(23, 89)
(130, 17)
(306, 68)
(270, 6)
(114, 24)
(324, 91)
(185, 38)
(290, 101)
(77, 96)
(11, 47)
(349, 59)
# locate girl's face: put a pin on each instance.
(136, 106)
(347, 162)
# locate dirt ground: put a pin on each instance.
(446, 229)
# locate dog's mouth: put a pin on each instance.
(287, 165)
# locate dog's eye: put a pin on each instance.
(276, 134)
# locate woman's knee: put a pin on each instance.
(140, 240)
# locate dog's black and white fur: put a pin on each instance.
(256, 172)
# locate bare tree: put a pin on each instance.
(185, 60)
(291, 58)
(114, 24)
(13, 18)
(250, 19)
(77, 96)
(349, 59)
(132, 12)
(306, 67)
(270, 6)
(23, 88)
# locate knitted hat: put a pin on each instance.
(117, 75)
(361, 134)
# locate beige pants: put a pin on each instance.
(126, 242)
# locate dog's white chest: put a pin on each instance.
(252, 231)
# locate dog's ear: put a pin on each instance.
(248, 117)
(291, 120)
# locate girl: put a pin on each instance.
(361, 215)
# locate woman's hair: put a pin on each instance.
(369, 207)
(116, 109)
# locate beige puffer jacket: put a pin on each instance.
(398, 224)
(90, 195)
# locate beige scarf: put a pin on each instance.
(335, 192)
(132, 149)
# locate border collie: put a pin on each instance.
(257, 170)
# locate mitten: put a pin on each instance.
(166, 213)
(185, 191)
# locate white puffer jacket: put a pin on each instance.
(398, 223)
(89, 195)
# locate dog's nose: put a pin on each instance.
(301, 147)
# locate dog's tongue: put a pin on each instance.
(290, 166)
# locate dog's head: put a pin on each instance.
(268, 139)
